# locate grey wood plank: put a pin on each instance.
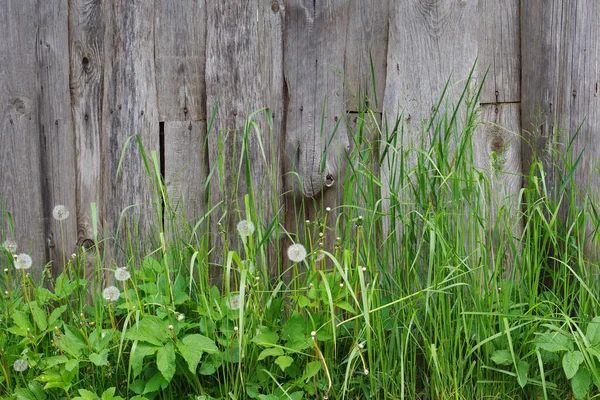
(180, 59)
(56, 130)
(366, 37)
(129, 108)
(20, 180)
(234, 79)
(86, 36)
(499, 49)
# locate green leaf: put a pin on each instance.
(522, 369)
(151, 265)
(39, 317)
(138, 352)
(109, 394)
(55, 315)
(101, 359)
(149, 329)
(502, 357)
(165, 361)
(311, 369)
(571, 362)
(86, 395)
(553, 342)
(37, 390)
(267, 338)
(272, 351)
(294, 329)
(344, 305)
(581, 383)
(71, 365)
(22, 321)
(284, 362)
(24, 394)
(191, 348)
(71, 343)
(593, 331)
(154, 383)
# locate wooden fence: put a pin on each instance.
(79, 77)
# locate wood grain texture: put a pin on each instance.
(560, 90)
(180, 42)
(129, 108)
(86, 35)
(20, 180)
(186, 168)
(236, 62)
(56, 130)
(366, 37)
(499, 49)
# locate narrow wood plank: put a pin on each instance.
(234, 80)
(499, 50)
(497, 153)
(316, 137)
(56, 129)
(129, 108)
(366, 38)
(86, 36)
(20, 180)
(564, 38)
(186, 168)
(180, 59)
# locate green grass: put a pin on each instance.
(420, 296)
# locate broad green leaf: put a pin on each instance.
(55, 315)
(138, 352)
(553, 341)
(571, 362)
(268, 397)
(272, 351)
(138, 398)
(502, 357)
(71, 342)
(152, 265)
(191, 348)
(165, 361)
(109, 394)
(593, 331)
(267, 338)
(53, 361)
(154, 383)
(71, 364)
(22, 321)
(24, 394)
(39, 316)
(101, 359)
(344, 305)
(149, 329)
(581, 383)
(86, 395)
(311, 369)
(522, 369)
(284, 362)
(296, 395)
(294, 329)
(37, 390)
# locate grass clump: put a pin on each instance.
(425, 292)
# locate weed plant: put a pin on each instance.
(421, 297)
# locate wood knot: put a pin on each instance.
(275, 6)
(329, 181)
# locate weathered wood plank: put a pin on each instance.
(180, 59)
(56, 130)
(20, 180)
(186, 168)
(367, 36)
(564, 38)
(129, 108)
(86, 35)
(234, 80)
(499, 50)
(316, 137)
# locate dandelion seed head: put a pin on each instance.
(320, 255)
(366, 371)
(235, 328)
(245, 228)
(364, 269)
(361, 346)
(313, 333)
(111, 293)
(180, 317)
(20, 365)
(296, 253)
(328, 209)
(171, 328)
(23, 261)
(10, 246)
(122, 274)
(233, 302)
(60, 213)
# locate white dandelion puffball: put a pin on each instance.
(296, 253)
(245, 228)
(23, 261)
(122, 274)
(233, 303)
(111, 293)
(180, 317)
(20, 365)
(60, 213)
(10, 246)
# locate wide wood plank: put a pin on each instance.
(180, 59)
(86, 35)
(236, 62)
(129, 108)
(20, 180)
